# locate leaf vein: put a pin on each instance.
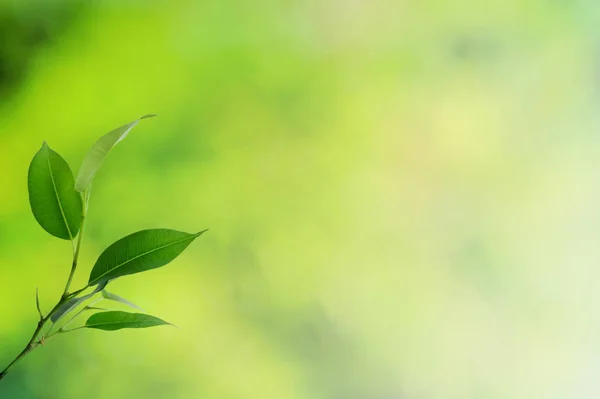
(140, 255)
(57, 196)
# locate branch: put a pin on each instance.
(33, 342)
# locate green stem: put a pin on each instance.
(34, 342)
(62, 329)
(73, 329)
(78, 246)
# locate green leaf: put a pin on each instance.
(72, 303)
(115, 320)
(99, 151)
(68, 306)
(117, 298)
(138, 252)
(54, 202)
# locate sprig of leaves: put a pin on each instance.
(59, 203)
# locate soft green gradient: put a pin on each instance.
(402, 196)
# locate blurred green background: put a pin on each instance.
(402, 196)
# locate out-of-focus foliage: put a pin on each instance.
(402, 195)
(25, 29)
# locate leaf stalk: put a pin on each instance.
(84, 198)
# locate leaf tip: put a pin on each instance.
(201, 232)
(147, 116)
(166, 323)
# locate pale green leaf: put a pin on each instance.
(120, 299)
(73, 303)
(99, 151)
(68, 306)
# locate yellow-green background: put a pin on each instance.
(403, 196)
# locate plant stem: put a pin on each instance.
(78, 246)
(33, 342)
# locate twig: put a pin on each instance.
(34, 342)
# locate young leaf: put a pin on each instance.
(116, 320)
(138, 252)
(68, 306)
(117, 298)
(96, 155)
(72, 303)
(37, 303)
(54, 202)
